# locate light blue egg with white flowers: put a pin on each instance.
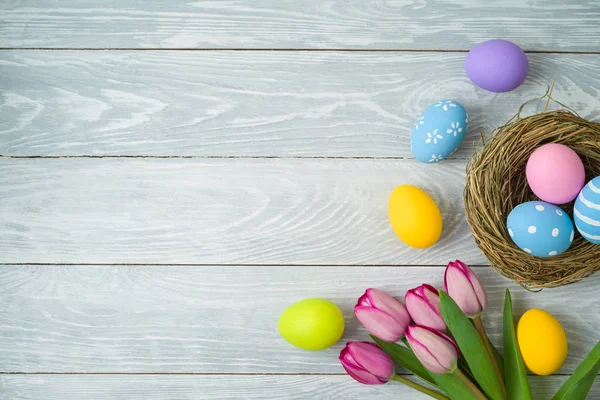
(587, 211)
(439, 131)
(540, 229)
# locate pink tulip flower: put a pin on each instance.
(423, 305)
(464, 287)
(382, 315)
(366, 363)
(436, 351)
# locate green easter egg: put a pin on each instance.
(312, 324)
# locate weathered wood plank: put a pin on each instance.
(221, 211)
(220, 319)
(219, 387)
(255, 103)
(451, 24)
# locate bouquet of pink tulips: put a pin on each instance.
(443, 342)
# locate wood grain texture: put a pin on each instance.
(221, 319)
(222, 211)
(256, 103)
(154, 387)
(449, 24)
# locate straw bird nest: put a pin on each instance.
(496, 183)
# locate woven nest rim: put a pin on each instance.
(496, 183)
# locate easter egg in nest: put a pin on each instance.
(587, 211)
(540, 229)
(555, 173)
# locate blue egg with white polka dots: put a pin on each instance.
(439, 131)
(540, 229)
(587, 211)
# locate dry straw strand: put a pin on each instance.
(549, 96)
(496, 183)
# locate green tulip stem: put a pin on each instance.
(470, 385)
(420, 388)
(481, 330)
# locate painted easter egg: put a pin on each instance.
(312, 324)
(555, 173)
(497, 65)
(414, 216)
(439, 131)
(542, 342)
(587, 211)
(540, 229)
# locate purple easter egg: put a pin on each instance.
(497, 65)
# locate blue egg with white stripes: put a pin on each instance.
(587, 211)
(540, 229)
(439, 131)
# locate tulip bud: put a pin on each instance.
(464, 287)
(366, 363)
(423, 305)
(436, 351)
(382, 315)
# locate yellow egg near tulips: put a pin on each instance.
(414, 216)
(312, 324)
(542, 342)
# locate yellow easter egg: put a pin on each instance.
(414, 216)
(542, 341)
(312, 324)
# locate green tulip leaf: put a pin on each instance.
(472, 347)
(498, 357)
(453, 387)
(464, 367)
(405, 358)
(578, 385)
(517, 385)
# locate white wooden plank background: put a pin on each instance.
(245, 194)
(222, 211)
(254, 387)
(255, 103)
(221, 319)
(363, 24)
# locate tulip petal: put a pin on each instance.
(477, 286)
(345, 356)
(371, 358)
(445, 351)
(424, 355)
(459, 287)
(432, 338)
(422, 312)
(390, 305)
(427, 359)
(461, 265)
(364, 300)
(361, 375)
(379, 323)
(448, 339)
(431, 295)
(436, 349)
(366, 363)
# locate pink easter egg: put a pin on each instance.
(555, 173)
